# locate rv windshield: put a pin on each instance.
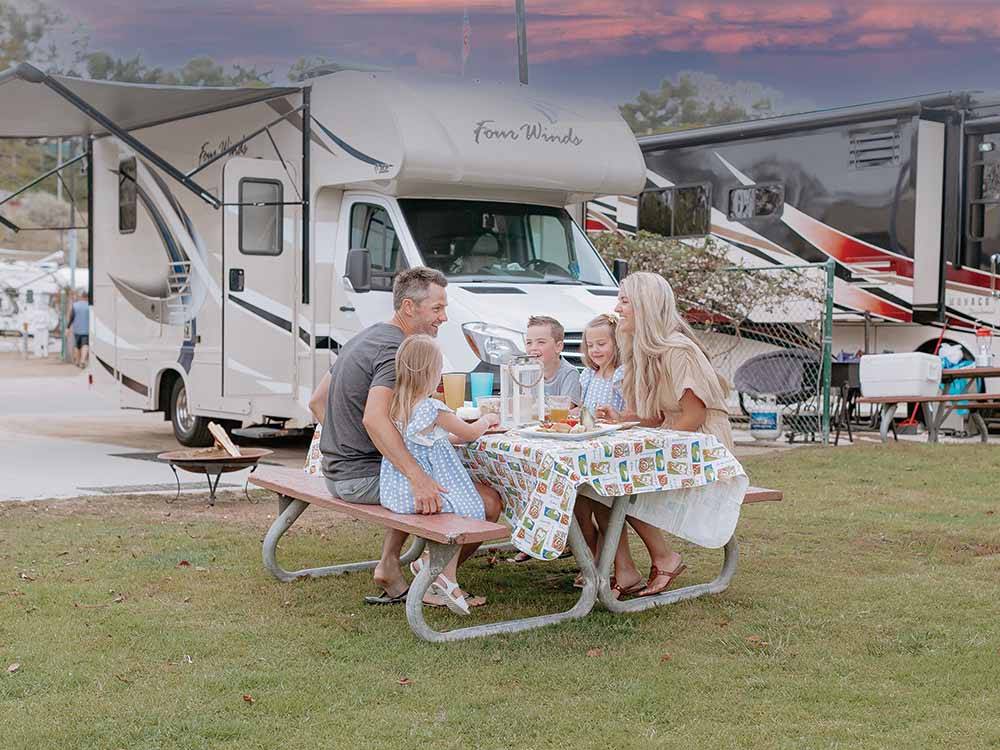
(486, 241)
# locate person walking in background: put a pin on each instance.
(79, 328)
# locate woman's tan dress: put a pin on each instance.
(689, 369)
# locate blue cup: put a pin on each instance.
(480, 386)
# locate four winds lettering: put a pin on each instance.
(488, 130)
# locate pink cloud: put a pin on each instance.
(558, 30)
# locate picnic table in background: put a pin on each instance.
(938, 408)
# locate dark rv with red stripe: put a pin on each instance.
(904, 195)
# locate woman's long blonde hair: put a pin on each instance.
(659, 327)
(418, 371)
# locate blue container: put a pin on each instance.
(480, 386)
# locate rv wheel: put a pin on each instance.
(188, 429)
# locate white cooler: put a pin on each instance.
(905, 374)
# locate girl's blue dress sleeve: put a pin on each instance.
(617, 399)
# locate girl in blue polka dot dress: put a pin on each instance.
(601, 383)
(601, 380)
(429, 428)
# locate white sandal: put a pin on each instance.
(445, 588)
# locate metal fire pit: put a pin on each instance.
(213, 463)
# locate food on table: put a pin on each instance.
(562, 427)
(489, 405)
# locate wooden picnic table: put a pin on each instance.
(936, 410)
(956, 373)
(541, 477)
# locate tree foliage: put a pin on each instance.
(24, 29)
(709, 287)
(696, 100)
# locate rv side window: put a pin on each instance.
(684, 211)
(756, 202)
(126, 196)
(261, 220)
(984, 203)
(371, 228)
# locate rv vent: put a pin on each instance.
(877, 147)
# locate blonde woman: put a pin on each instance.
(668, 382)
(428, 428)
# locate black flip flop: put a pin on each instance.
(386, 599)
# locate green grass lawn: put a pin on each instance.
(865, 614)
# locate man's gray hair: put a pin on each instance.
(414, 284)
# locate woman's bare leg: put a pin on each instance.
(584, 513)
(660, 554)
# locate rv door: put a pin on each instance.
(929, 252)
(260, 276)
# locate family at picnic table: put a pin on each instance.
(385, 440)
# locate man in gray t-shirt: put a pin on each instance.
(368, 361)
(352, 403)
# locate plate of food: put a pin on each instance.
(563, 431)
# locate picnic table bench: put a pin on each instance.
(936, 410)
(443, 533)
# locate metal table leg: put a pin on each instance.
(440, 554)
(934, 415)
(720, 584)
(288, 512)
(888, 412)
(984, 430)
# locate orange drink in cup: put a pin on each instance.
(454, 389)
(557, 408)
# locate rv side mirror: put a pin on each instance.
(620, 269)
(359, 269)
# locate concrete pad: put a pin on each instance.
(61, 438)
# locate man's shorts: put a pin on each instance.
(363, 490)
(81, 340)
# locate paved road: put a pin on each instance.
(60, 438)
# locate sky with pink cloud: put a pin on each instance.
(819, 52)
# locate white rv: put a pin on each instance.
(242, 236)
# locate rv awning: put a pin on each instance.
(32, 107)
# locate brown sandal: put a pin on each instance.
(624, 591)
(655, 572)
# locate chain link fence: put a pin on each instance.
(777, 353)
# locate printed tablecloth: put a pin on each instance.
(686, 483)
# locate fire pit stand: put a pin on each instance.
(213, 463)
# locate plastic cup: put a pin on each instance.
(454, 390)
(481, 385)
(557, 408)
